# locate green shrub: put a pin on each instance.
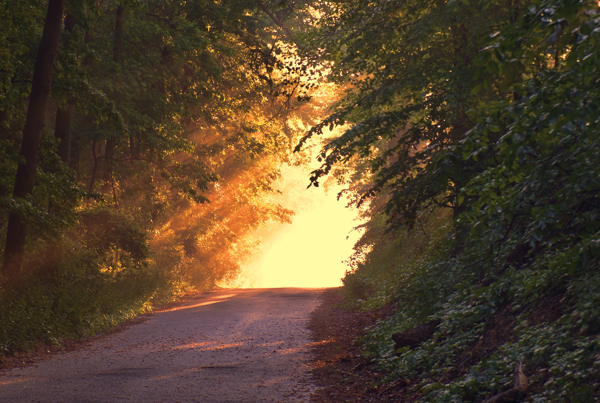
(88, 280)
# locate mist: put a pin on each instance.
(311, 251)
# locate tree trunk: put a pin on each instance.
(132, 147)
(107, 174)
(32, 136)
(4, 134)
(95, 160)
(109, 151)
(118, 45)
(4, 129)
(75, 156)
(62, 131)
(75, 146)
(64, 117)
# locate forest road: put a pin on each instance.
(248, 345)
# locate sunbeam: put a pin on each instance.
(309, 252)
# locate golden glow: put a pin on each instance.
(309, 252)
(13, 381)
(210, 301)
(206, 346)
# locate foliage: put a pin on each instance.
(387, 270)
(408, 89)
(80, 284)
(507, 138)
(179, 116)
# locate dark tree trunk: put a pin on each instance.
(95, 160)
(109, 151)
(4, 130)
(132, 147)
(32, 135)
(62, 131)
(118, 45)
(107, 173)
(75, 146)
(75, 157)
(4, 134)
(64, 117)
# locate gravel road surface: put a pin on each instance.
(221, 346)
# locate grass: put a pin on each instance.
(78, 291)
(49, 312)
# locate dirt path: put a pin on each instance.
(222, 346)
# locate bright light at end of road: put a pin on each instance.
(310, 251)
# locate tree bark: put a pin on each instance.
(64, 117)
(32, 135)
(4, 130)
(75, 155)
(109, 151)
(4, 134)
(62, 131)
(118, 45)
(107, 174)
(96, 159)
(75, 146)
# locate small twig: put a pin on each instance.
(401, 382)
(167, 20)
(279, 24)
(422, 229)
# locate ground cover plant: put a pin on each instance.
(489, 111)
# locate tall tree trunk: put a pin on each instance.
(75, 146)
(4, 129)
(118, 45)
(4, 134)
(132, 147)
(107, 174)
(75, 155)
(95, 160)
(64, 117)
(62, 131)
(32, 136)
(109, 151)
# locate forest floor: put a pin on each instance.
(340, 372)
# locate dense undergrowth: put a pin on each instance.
(545, 316)
(512, 273)
(67, 309)
(83, 281)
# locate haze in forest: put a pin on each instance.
(309, 252)
(143, 146)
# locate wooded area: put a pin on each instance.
(469, 139)
(139, 144)
(473, 134)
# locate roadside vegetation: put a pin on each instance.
(139, 141)
(472, 144)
